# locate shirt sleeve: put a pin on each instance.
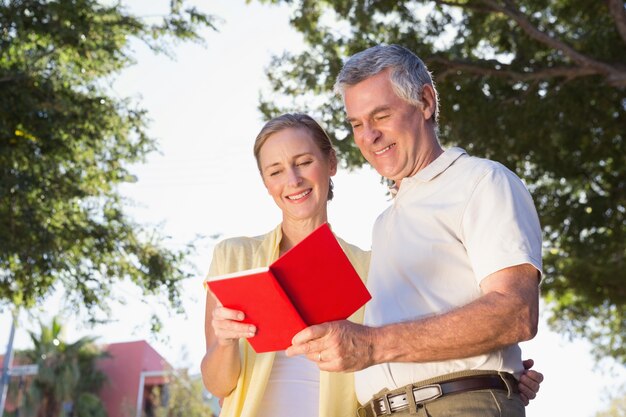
(500, 226)
(217, 261)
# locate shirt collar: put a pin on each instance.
(436, 167)
(433, 169)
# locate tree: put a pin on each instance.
(67, 374)
(66, 142)
(536, 84)
(184, 397)
(617, 406)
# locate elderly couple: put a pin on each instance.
(454, 269)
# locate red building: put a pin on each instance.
(133, 370)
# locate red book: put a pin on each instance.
(312, 283)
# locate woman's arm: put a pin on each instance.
(221, 364)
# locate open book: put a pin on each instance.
(312, 283)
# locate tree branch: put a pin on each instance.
(616, 9)
(569, 73)
(11, 79)
(464, 5)
(536, 34)
(615, 75)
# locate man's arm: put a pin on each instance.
(505, 314)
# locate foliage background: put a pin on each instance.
(66, 143)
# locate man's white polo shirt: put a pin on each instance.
(452, 224)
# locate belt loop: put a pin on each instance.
(387, 405)
(410, 399)
(361, 411)
(506, 378)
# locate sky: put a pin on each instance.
(204, 182)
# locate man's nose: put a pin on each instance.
(370, 133)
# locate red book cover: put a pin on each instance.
(312, 283)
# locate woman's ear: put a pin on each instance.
(429, 101)
(332, 160)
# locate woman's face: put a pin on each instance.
(296, 174)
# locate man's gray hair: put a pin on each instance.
(408, 73)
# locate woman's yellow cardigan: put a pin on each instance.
(337, 396)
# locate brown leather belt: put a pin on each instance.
(391, 403)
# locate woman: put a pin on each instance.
(296, 161)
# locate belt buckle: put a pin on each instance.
(427, 393)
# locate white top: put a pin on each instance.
(452, 224)
(292, 389)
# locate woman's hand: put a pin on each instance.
(529, 382)
(227, 326)
(221, 364)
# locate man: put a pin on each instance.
(456, 260)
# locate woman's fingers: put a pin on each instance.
(228, 327)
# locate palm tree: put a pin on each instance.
(68, 380)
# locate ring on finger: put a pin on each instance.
(319, 356)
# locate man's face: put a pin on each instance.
(390, 132)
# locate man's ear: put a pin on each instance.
(429, 101)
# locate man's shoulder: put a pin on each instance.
(476, 162)
(475, 167)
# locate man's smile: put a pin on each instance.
(385, 149)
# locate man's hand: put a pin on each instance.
(529, 382)
(338, 346)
